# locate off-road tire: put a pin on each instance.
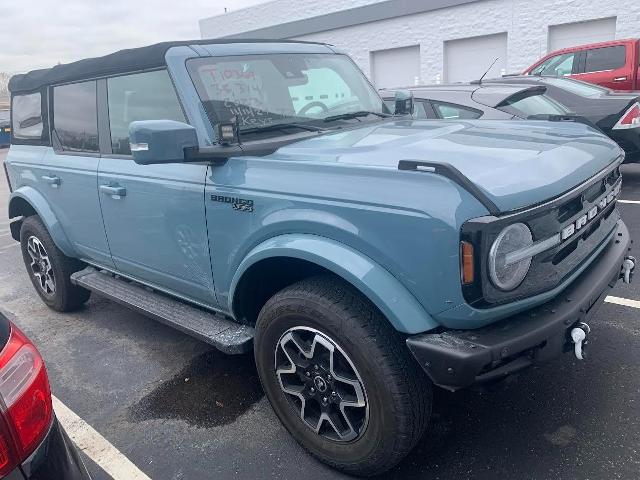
(66, 297)
(398, 392)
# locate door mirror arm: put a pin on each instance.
(404, 102)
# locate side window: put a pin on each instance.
(390, 103)
(557, 66)
(449, 111)
(75, 116)
(540, 68)
(607, 58)
(420, 109)
(141, 96)
(27, 116)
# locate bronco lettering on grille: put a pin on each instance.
(589, 215)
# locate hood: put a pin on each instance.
(515, 163)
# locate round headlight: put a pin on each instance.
(512, 238)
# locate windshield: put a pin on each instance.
(579, 88)
(258, 91)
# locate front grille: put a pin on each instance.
(552, 267)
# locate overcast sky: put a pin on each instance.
(40, 33)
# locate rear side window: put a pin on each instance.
(527, 104)
(449, 111)
(75, 116)
(607, 58)
(27, 116)
(142, 96)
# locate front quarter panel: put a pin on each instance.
(378, 285)
(407, 223)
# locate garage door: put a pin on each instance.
(468, 58)
(396, 67)
(572, 34)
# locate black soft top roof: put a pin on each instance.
(123, 61)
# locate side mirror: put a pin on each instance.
(404, 102)
(160, 141)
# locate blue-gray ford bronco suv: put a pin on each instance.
(260, 195)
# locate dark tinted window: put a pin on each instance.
(75, 116)
(142, 96)
(608, 58)
(27, 116)
(450, 111)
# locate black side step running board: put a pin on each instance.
(224, 334)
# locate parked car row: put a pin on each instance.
(261, 196)
(534, 98)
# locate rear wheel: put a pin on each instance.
(339, 377)
(49, 269)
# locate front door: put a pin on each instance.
(154, 215)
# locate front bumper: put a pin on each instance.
(459, 358)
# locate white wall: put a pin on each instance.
(525, 21)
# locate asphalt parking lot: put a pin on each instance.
(177, 409)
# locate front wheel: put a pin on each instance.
(339, 377)
(49, 269)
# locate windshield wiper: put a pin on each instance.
(281, 126)
(350, 115)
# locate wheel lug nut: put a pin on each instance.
(333, 394)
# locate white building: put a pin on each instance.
(404, 42)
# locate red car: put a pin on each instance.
(611, 64)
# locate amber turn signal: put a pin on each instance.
(466, 262)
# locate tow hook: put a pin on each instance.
(628, 265)
(579, 338)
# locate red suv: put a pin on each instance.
(611, 64)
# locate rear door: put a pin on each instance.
(67, 174)
(610, 66)
(154, 215)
